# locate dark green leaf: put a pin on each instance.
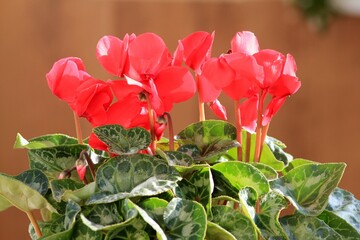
(34, 179)
(234, 222)
(345, 205)
(133, 175)
(309, 186)
(212, 137)
(82, 232)
(53, 160)
(307, 227)
(72, 210)
(339, 225)
(185, 219)
(123, 141)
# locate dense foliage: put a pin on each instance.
(213, 180)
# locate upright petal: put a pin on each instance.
(111, 53)
(197, 48)
(218, 72)
(218, 109)
(206, 90)
(65, 76)
(249, 112)
(148, 54)
(272, 108)
(245, 42)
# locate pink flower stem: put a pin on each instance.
(171, 131)
(201, 111)
(248, 146)
(34, 223)
(238, 129)
(258, 144)
(78, 128)
(264, 131)
(152, 124)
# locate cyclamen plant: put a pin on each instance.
(213, 180)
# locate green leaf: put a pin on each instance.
(345, 205)
(79, 195)
(339, 225)
(154, 224)
(44, 141)
(204, 184)
(234, 222)
(309, 186)
(241, 175)
(59, 186)
(81, 232)
(267, 157)
(216, 232)
(307, 227)
(185, 219)
(296, 163)
(268, 171)
(34, 179)
(16, 193)
(53, 160)
(133, 175)
(276, 148)
(72, 210)
(123, 141)
(127, 233)
(155, 208)
(267, 220)
(211, 137)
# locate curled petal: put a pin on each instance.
(178, 55)
(245, 42)
(93, 98)
(272, 63)
(272, 108)
(218, 109)
(197, 49)
(65, 77)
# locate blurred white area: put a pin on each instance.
(349, 7)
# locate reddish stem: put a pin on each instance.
(258, 144)
(34, 223)
(78, 128)
(152, 123)
(264, 131)
(238, 129)
(171, 131)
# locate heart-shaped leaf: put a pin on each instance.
(309, 186)
(215, 231)
(133, 175)
(53, 160)
(185, 219)
(267, 220)
(123, 141)
(241, 175)
(59, 186)
(234, 222)
(34, 179)
(211, 137)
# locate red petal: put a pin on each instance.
(290, 66)
(148, 54)
(285, 86)
(218, 72)
(197, 49)
(218, 109)
(65, 76)
(81, 170)
(272, 108)
(123, 90)
(175, 84)
(249, 112)
(206, 90)
(272, 63)
(95, 143)
(245, 42)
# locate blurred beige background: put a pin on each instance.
(320, 122)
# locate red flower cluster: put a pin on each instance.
(150, 80)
